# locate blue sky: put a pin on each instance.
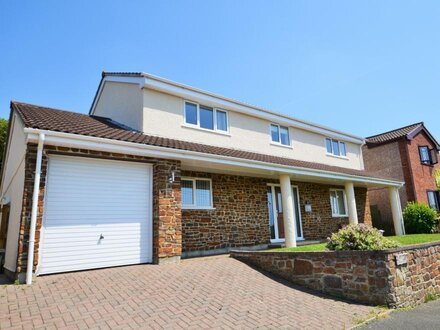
(360, 66)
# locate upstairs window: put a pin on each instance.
(206, 117)
(338, 203)
(433, 200)
(335, 147)
(428, 156)
(280, 134)
(196, 193)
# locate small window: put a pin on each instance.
(338, 203)
(205, 117)
(335, 147)
(280, 134)
(433, 200)
(196, 193)
(191, 113)
(425, 155)
(222, 121)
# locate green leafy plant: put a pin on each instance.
(437, 178)
(359, 237)
(419, 218)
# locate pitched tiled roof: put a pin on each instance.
(394, 134)
(75, 123)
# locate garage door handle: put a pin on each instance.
(101, 237)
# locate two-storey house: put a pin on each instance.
(159, 170)
(408, 154)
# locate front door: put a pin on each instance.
(276, 221)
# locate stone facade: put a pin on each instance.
(399, 160)
(372, 277)
(167, 235)
(320, 224)
(240, 215)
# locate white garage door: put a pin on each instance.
(97, 213)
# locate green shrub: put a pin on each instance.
(419, 218)
(359, 237)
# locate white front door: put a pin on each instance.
(276, 221)
(97, 213)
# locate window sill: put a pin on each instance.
(197, 208)
(205, 129)
(339, 215)
(339, 157)
(281, 145)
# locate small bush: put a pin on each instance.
(359, 237)
(419, 218)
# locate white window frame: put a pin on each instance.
(339, 143)
(279, 135)
(214, 113)
(194, 206)
(336, 215)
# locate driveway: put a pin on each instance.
(216, 292)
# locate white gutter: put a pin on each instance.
(116, 146)
(34, 212)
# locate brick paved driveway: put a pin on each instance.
(217, 292)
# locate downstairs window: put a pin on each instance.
(196, 193)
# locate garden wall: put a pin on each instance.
(397, 277)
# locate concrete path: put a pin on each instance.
(204, 293)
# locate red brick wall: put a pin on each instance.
(423, 175)
(167, 233)
(388, 160)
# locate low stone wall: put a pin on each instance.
(397, 277)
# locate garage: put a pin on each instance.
(98, 213)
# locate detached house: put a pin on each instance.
(408, 154)
(159, 170)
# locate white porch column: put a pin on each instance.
(351, 203)
(288, 212)
(396, 209)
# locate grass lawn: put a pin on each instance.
(403, 240)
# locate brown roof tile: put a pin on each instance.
(75, 123)
(394, 134)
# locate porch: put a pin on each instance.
(255, 209)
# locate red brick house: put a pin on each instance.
(408, 154)
(159, 170)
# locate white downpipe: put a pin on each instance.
(34, 212)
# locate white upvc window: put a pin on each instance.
(335, 148)
(338, 202)
(280, 134)
(196, 193)
(206, 118)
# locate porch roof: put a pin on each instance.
(56, 120)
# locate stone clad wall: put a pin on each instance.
(371, 277)
(240, 216)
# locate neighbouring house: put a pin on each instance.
(159, 170)
(408, 154)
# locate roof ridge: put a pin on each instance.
(15, 103)
(395, 130)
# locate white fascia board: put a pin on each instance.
(122, 147)
(194, 94)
